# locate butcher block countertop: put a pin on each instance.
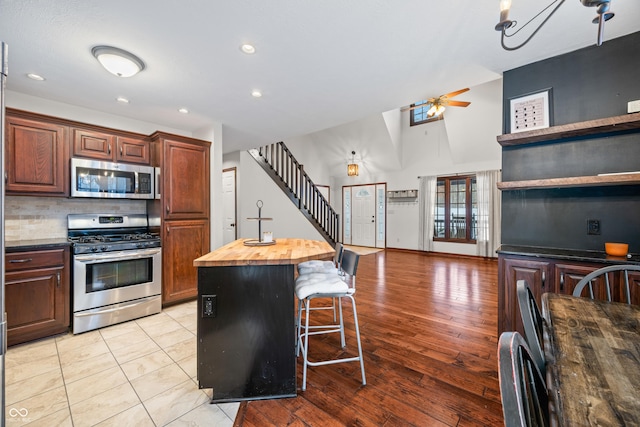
(285, 251)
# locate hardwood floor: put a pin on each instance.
(429, 336)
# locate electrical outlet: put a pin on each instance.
(633, 106)
(209, 305)
(593, 226)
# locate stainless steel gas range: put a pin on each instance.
(116, 269)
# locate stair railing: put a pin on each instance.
(278, 161)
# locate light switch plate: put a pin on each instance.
(633, 106)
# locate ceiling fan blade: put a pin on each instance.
(456, 93)
(458, 103)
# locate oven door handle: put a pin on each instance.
(144, 253)
(110, 310)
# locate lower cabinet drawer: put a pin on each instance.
(15, 261)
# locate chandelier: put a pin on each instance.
(603, 14)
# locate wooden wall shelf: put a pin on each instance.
(574, 181)
(590, 127)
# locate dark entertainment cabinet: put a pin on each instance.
(539, 214)
(584, 168)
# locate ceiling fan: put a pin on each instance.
(438, 104)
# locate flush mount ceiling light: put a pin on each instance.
(505, 23)
(352, 168)
(117, 61)
(248, 49)
(36, 77)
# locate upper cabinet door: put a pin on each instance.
(94, 145)
(185, 180)
(37, 157)
(133, 150)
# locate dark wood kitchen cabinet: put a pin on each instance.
(37, 155)
(183, 242)
(536, 273)
(37, 293)
(183, 210)
(567, 276)
(185, 189)
(555, 275)
(108, 146)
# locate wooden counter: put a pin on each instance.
(285, 251)
(246, 318)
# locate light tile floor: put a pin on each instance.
(138, 373)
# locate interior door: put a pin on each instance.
(363, 216)
(229, 205)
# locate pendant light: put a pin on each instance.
(352, 168)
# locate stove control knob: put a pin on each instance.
(140, 245)
(103, 248)
(94, 249)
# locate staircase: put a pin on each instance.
(278, 162)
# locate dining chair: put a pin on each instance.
(525, 402)
(328, 286)
(605, 272)
(532, 321)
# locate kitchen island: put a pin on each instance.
(246, 318)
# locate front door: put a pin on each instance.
(229, 205)
(363, 216)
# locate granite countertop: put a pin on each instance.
(25, 245)
(567, 254)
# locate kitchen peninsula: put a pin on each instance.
(246, 318)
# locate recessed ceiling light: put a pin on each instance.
(183, 110)
(248, 49)
(37, 77)
(122, 100)
(256, 94)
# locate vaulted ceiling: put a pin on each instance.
(318, 64)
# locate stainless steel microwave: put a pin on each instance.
(94, 178)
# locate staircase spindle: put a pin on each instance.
(279, 163)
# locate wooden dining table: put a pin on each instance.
(592, 352)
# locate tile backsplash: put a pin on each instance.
(29, 218)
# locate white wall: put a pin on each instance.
(253, 184)
(214, 134)
(465, 141)
(21, 101)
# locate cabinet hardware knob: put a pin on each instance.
(17, 261)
